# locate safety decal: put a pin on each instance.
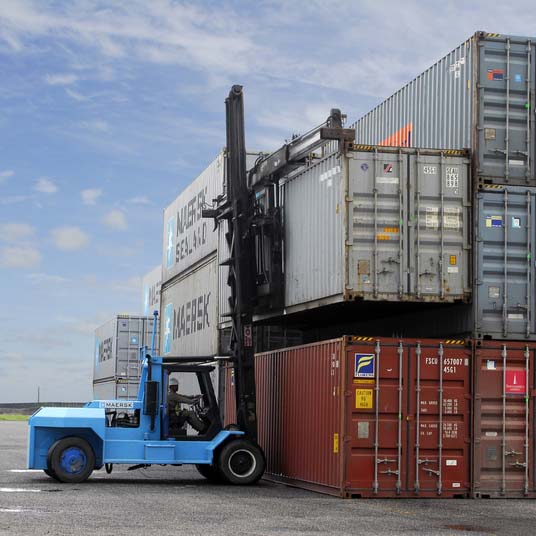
(515, 383)
(516, 223)
(495, 74)
(364, 366)
(494, 221)
(518, 78)
(335, 443)
(388, 168)
(363, 399)
(364, 166)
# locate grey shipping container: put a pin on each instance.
(152, 285)
(117, 344)
(189, 238)
(189, 317)
(479, 96)
(121, 389)
(504, 278)
(115, 389)
(380, 224)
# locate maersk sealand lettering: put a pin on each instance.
(188, 216)
(191, 317)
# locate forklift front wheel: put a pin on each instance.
(241, 462)
(71, 459)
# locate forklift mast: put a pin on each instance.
(251, 211)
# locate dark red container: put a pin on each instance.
(504, 397)
(364, 417)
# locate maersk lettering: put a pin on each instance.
(191, 229)
(105, 350)
(191, 317)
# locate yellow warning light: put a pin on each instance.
(453, 260)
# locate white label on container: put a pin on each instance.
(516, 162)
(516, 222)
(387, 180)
(116, 404)
(451, 462)
(429, 170)
(494, 292)
(452, 269)
(516, 316)
(456, 485)
(490, 364)
(466, 362)
(451, 218)
(453, 177)
(329, 173)
(491, 434)
(432, 217)
(362, 430)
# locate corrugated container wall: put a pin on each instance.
(152, 285)
(188, 237)
(117, 344)
(480, 96)
(503, 438)
(357, 417)
(115, 389)
(379, 224)
(189, 304)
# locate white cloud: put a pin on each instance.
(6, 174)
(115, 219)
(13, 199)
(139, 200)
(90, 196)
(47, 279)
(69, 238)
(45, 186)
(65, 79)
(16, 232)
(95, 124)
(19, 257)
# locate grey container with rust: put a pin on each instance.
(479, 96)
(117, 344)
(378, 224)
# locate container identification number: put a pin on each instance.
(450, 364)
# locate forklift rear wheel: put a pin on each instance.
(209, 472)
(71, 459)
(241, 462)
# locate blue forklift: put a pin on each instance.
(68, 444)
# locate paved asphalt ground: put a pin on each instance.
(177, 501)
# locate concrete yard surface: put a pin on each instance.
(177, 500)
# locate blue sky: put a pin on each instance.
(109, 109)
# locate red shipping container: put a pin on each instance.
(361, 417)
(504, 397)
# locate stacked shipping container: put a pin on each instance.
(366, 417)
(117, 366)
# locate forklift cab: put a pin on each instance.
(190, 412)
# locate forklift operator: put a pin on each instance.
(177, 416)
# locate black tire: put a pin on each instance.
(210, 472)
(241, 462)
(50, 473)
(71, 459)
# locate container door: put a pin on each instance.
(505, 241)
(376, 458)
(439, 238)
(378, 226)
(439, 420)
(505, 130)
(503, 458)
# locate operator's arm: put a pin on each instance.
(183, 399)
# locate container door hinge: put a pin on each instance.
(431, 471)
